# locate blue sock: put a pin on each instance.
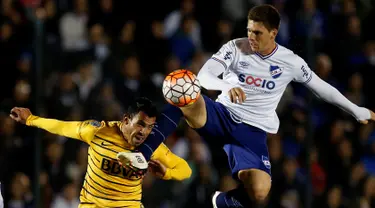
(234, 198)
(166, 124)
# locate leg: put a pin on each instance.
(249, 165)
(257, 184)
(196, 114)
(252, 193)
(166, 124)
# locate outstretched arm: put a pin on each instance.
(303, 74)
(330, 94)
(83, 131)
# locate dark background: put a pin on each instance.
(98, 55)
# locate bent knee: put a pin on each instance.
(259, 193)
(257, 184)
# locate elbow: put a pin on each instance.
(205, 78)
(186, 174)
(201, 77)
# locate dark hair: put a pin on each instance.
(142, 104)
(267, 14)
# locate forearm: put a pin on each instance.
(208, 76)
(180, 172)
(64, 128)
(330, 94)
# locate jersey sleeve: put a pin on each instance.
(226, 54)
(177, 168)
(84, 131)
(302, 72)
(216, 65)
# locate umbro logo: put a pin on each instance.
(244, 64)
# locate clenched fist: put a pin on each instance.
(372, 118)
(20, 114)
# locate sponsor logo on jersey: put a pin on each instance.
(275, 71)
(112, 167)
(256, 81)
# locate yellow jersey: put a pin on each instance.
(108, 184)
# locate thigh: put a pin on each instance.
(218, 122)
(253, 156)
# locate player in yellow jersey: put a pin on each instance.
(107, 183)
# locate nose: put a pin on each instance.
(251, 36)
(143, 131)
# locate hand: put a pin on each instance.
(126, 163)
(20, 114)
(157, 168)
(372, 118)
(237, 95)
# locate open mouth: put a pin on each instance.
(139, 138)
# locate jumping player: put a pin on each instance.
(256, 70)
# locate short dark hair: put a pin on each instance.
(142, 104)
(267, 14)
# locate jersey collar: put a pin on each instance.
(270, 54)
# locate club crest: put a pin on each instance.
(275, 71)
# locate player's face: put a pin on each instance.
(261, 39)
(137, 128)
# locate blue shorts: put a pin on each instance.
(245, 145)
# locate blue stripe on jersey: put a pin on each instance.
(220, 61)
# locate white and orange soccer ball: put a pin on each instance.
(181, 88)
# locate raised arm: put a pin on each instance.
(83, 131)
(330, 94)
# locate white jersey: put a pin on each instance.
(1, 199)
(264, 80)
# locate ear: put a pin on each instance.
(274, 33)
(126, 119)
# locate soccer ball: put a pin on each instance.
(181, 88)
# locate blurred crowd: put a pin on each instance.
(97, 55)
